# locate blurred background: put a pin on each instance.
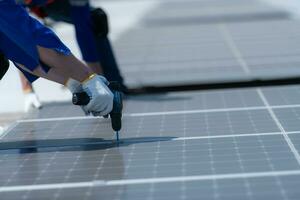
(154, 37)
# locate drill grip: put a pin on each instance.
(83, 99)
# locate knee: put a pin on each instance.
(100, 22)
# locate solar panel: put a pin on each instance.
(205, 12)
(162, 50)
(199, 59)
(51, 110)
(283, 95)
(226, 151)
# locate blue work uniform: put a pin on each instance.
(93, 49)
(20, 35)
(80, 15)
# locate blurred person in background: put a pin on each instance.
(91, 28)
(38, 52)
(31, 99)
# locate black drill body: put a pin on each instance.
(116, 113)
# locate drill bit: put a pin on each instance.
(117, 135)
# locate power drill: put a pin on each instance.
(83, 98)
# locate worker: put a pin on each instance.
(38, 52)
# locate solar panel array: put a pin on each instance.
(218, 144)
(190, 42)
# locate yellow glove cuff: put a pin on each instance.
(89, 78)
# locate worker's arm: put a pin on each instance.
(27, 42)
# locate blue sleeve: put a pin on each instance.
(20, 34)
(84, 34)
(16, 34)
(32, 3)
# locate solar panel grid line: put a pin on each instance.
(125, 140)
(195, 111)
(67, 176)
(57, 119)
(127, 131)
(101, 183)
(11, 127)
(129, 140)
(233, 47)
(49, 160)
(10, 178)
(285, 135)
(52, 157)
(237, 53)
(211, 156)
(166, 164)
(191, 137)
(258, 70)
(209, 40)
(278, 181)
(229, 136)
(212, 39)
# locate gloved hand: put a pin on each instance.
(76, 87)
(101, 98)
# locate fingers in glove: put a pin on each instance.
(104, 112)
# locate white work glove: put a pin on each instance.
(31, 101)
(74, 86)
(101, 98)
